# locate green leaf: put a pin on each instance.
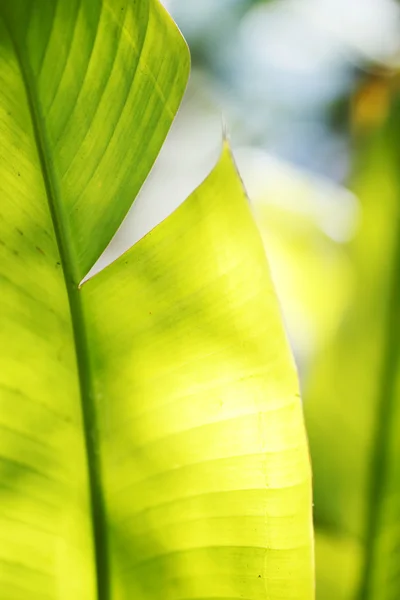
(197, 382)
(151, 433)
(354, 390)
(99, 82)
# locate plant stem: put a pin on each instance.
(380, 447)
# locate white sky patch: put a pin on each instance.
(370, 28)
(279, 37)
(309, 35)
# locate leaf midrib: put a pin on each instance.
(67, 255)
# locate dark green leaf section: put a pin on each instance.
(108, 78)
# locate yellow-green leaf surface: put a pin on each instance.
(206, 465)
(151, 433)
(353, 402)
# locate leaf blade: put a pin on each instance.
(215, 424)
(37, 204)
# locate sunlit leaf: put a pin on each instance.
(197, 381)
(151, 432)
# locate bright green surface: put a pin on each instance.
(208, 479)
(151, 435)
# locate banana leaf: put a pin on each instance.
(152, 442)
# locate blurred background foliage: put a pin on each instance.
(308, 91)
